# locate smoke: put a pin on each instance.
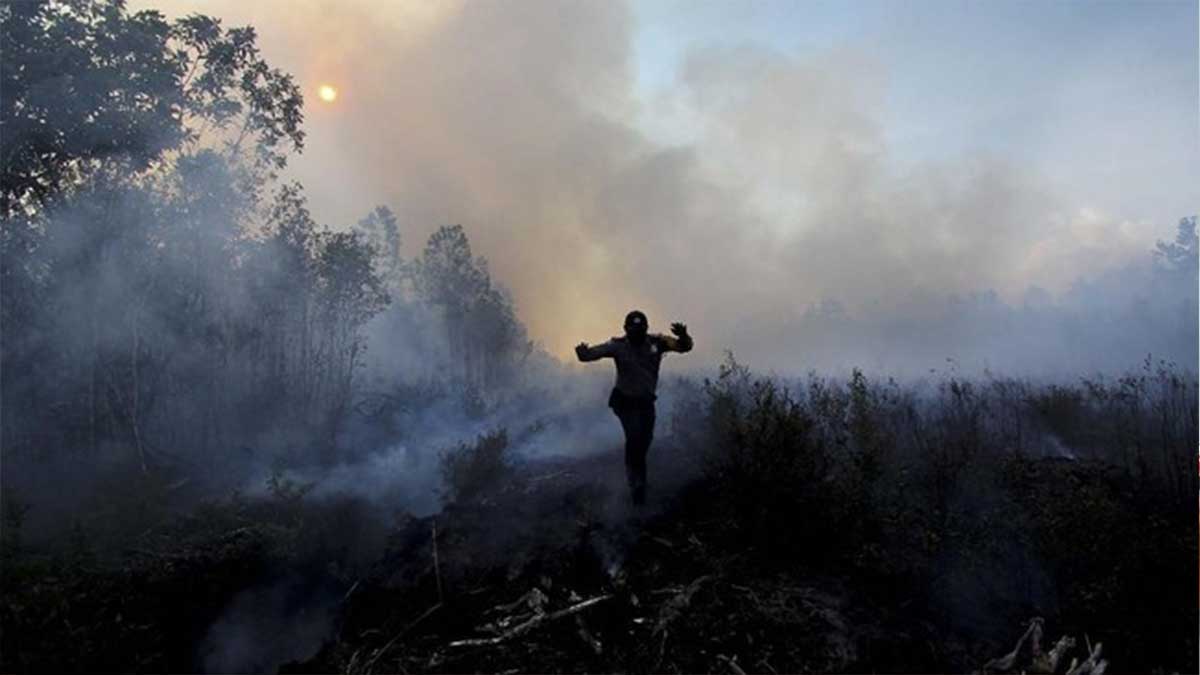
(759, 198)
(263, 628)
(775, 218)
(753, 187)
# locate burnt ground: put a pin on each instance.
(548, 571)
(556, 573)
(329, 585)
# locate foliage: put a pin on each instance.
(93, 90)
(383, 233)
(482, 332)
(1182, 255)
(770, 469)
(828, 531)
(163, 298)
(969, 499)
(85, 85)
(472, 471)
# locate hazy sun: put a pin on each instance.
(327, 93)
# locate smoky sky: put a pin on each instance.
(749, 184)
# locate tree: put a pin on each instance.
(482, 331)
(383, 233)
(86, 86)
(448, 276)
(132, 153)
(1183, 254)
(89, 88)
(234, 100)
(351, 291)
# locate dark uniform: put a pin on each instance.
(633, 397)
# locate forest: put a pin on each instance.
(234, 439)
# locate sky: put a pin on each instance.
(736, 165)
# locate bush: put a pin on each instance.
(771, 472)
(471, 472)
(974, 503)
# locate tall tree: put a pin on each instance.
(86, 87)
(132, 152)
(1183, 254)
(480, 324)
(383, 233)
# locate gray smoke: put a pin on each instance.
(750, 191)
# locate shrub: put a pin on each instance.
(770, 472)
(472, 471)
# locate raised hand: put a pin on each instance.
(581, 349)
(679, 329)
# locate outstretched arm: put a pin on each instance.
(587, 353)
(682, 341)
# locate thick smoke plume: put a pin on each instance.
(757, 189)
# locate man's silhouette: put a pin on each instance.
(637, 356)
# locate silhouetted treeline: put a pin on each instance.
(163, 296)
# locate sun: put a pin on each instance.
(327, 93)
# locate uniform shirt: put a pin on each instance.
(637, 364)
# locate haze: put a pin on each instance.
(806, 184)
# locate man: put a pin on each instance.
(637, 356)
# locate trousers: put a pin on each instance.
(637, 421)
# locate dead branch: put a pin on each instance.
(383, 650)
(675, 607)
(587, 637)
(535, 599)
(1048, 662)
(1006, 662)
(732, 664)
(529, 625)
(671, 610)
(1092, 665)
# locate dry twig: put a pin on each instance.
(402, 633)
(1048, 662)
(1006, 662)
(1092, 665)
(674, 607)
(537, 620)
(586, 635)
(732, 664)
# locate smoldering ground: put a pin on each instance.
(562, 448)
